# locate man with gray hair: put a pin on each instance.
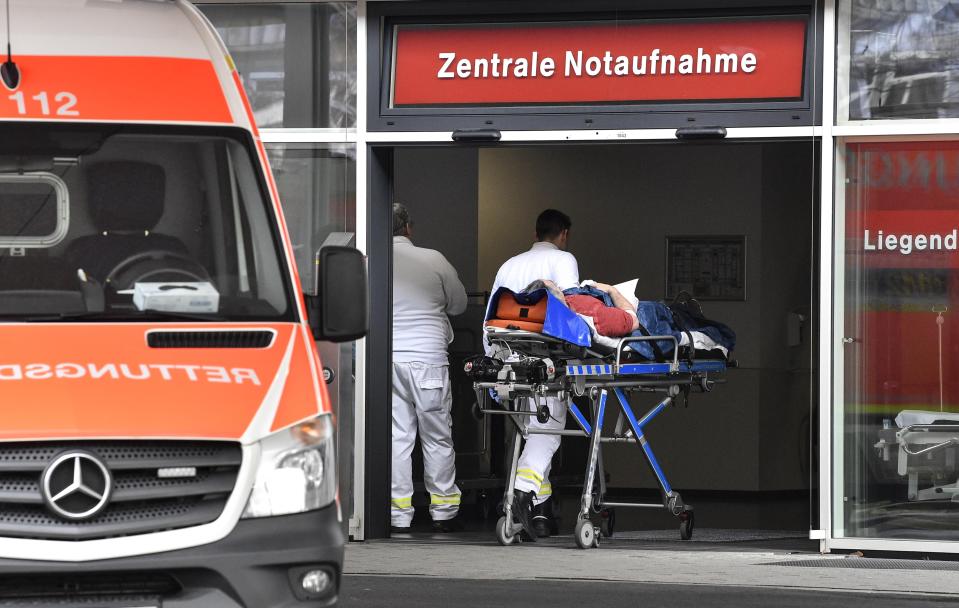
(426, 289)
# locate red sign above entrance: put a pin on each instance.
(584, 63)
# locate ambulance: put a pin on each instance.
(166, 436)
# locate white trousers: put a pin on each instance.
(422, 400)
(532, 472)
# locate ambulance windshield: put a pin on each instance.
(117, 222)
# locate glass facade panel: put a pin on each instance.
(901, 412)
(317, 184)
(903, 59)
(298, 61)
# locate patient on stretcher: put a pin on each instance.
(592, 319)
(615, 321)
(611, 315)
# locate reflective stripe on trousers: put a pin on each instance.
(532, 472)
(422, 401)
(436, 499)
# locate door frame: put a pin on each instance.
(375, 470)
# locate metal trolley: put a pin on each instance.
(528, 375)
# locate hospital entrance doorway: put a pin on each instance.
(729, 222)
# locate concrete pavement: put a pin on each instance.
(754, 563)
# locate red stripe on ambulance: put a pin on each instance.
(152, 89)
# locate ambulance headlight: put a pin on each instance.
(297, 471)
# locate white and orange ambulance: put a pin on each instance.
(165, 434)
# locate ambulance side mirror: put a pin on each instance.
(338, 310)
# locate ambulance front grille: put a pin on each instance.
(79, 589)
(198, 479)
(210, 339)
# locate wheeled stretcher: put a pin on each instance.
(926, 444)
(527, 366)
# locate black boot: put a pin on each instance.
(522, 507)
(541, 519)
(541, 526)
(447, 526)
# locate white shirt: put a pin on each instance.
(544, 261)
(426, 288)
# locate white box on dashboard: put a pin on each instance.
(177, 296)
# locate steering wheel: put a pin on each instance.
(156, 265)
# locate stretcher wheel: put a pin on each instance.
(608, 525)
(477, 411)
(585, 534)
(687, 521)
(503, 535)
(542, 414)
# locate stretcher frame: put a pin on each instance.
(597, 382)
(916, 445)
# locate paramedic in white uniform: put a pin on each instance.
(546, 260)
(425, 290)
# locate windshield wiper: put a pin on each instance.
(127, 315)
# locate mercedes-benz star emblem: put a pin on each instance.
(76, 485)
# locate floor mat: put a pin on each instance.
(712, 535)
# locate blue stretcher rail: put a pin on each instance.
(639, 369)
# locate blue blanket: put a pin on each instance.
(659, 320)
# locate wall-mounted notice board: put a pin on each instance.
(708, 267)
